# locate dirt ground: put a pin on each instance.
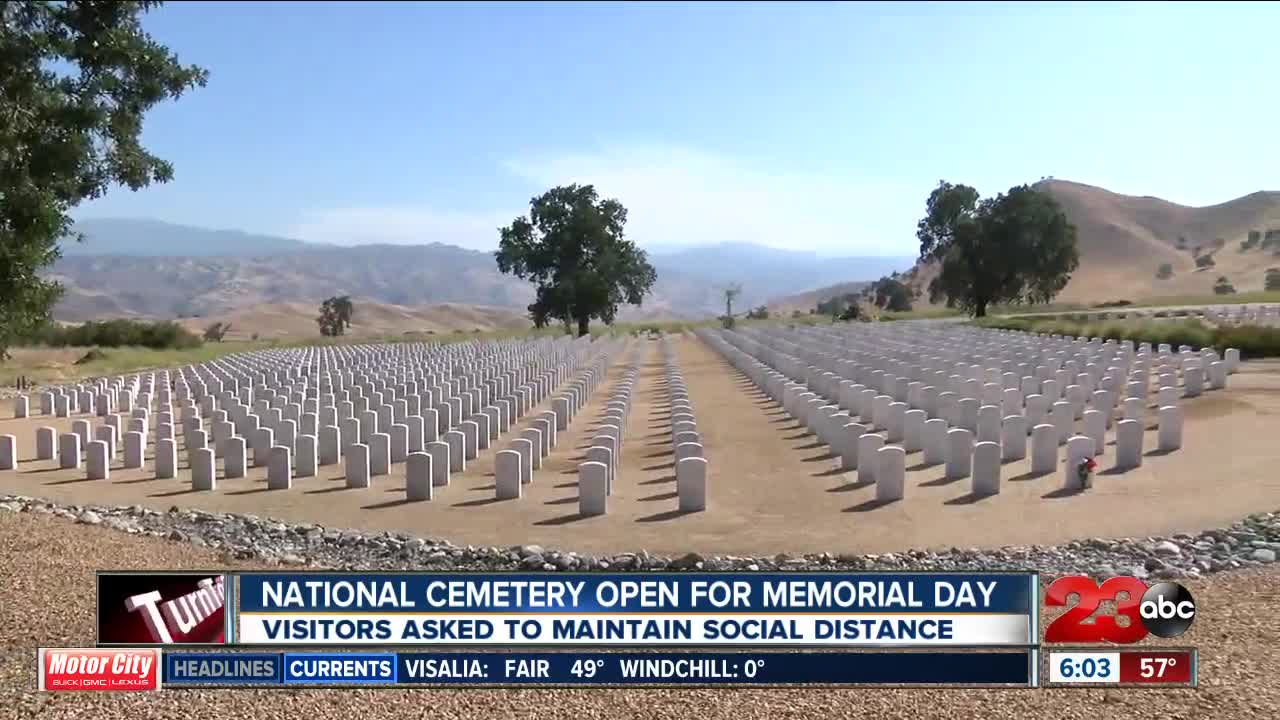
(772, 487)
(47, 586)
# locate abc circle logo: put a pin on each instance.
(1167, 609)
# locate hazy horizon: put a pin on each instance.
(819, 127)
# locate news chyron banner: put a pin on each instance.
(637, 610)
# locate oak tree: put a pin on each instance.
(76, 79)
(1016, 247)
(571, 245)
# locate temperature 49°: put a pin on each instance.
(585, 668)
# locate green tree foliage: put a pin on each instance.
(1223, 287)
(345, 309)
(1013, 248)
(1182, 242)
(851, 312)
(117, 333)
(1165, 271)
(760, 313)
(572, 247)
(217, 331)
(76, 79)
(1205, 261)
(335, 316)
(1273, 279)
(836, 305)
(892, 295)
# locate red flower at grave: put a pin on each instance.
(1085, 470)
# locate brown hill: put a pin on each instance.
(372, 319)
(806, 301)
(1124, 239)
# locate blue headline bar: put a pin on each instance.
(578, 668)
(719, 593)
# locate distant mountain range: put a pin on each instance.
(149, 238)
(148, 268)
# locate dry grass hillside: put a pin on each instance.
(295, 320)
(806, 301)
(1125, 239)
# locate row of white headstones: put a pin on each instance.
(598, 471)
(501, 381)
(1219, 315)
(890, 378)
(686, 443)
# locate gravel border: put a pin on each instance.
(1253, 541)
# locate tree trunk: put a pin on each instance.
(584, 325)
(980, 309)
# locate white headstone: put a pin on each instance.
(986, 467)
(959, 453)
(868, 465)
(8, 452)
(234, 457)
(1044, 449)
(593, 489)
(1063, 419)
(134, 443)
(457, 447)
(356, 457)
(166, 458)
(890, 473)
(69, 451)
(691, 484)
(330, 450)
(306, 458)
(935, 442)
(1169, 437)
(1013, 439)
(46, 443)
(507, 474)
(439, 452)
(849, 450)
(280, 471)
(913, 422)
(379, 454)
(418, 470)
(97, 460)
(1128, 444)
(202, 469)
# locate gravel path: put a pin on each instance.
(48, 556)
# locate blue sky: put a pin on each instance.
(819, 126)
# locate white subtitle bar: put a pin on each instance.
(601, 629)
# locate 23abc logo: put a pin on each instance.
(1164, 609)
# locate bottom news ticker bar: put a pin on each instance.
(257, 669)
